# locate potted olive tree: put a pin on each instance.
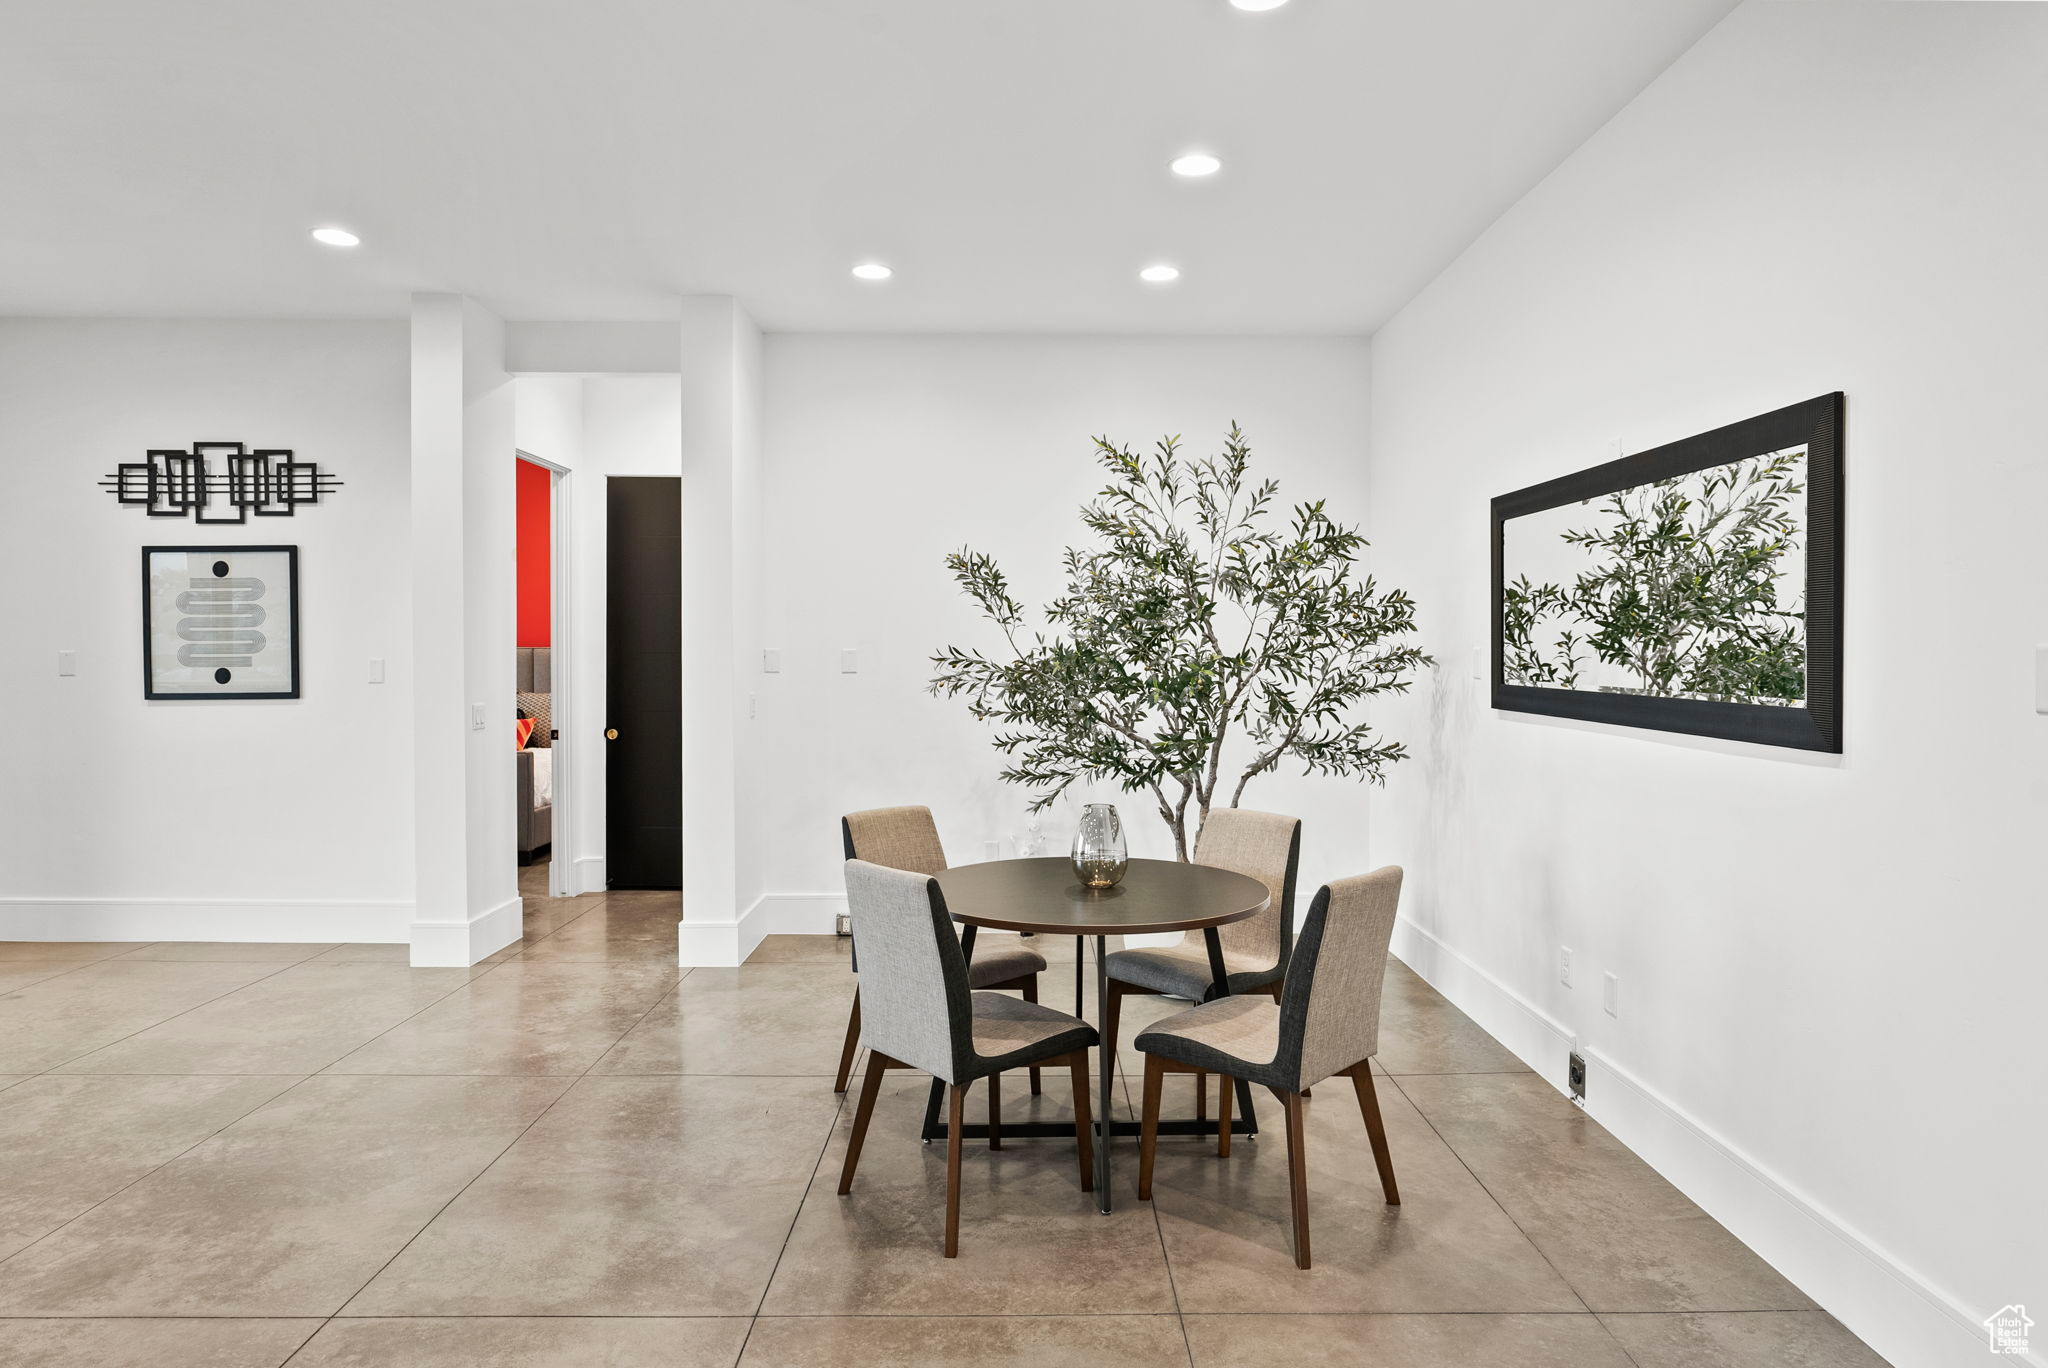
(1204, 639)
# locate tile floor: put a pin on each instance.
(240, 1156)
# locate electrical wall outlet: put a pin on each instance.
(1575, 1077)
(771, 662)
(67, 663)
(1610, 995)
(842, 925)
(849, 661)
(376, 673)
(1564, 965)
(753, 705)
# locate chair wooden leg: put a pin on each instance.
(1297, 1178)
(1201, 1095)
(1375, 1129)
(1084, 1124)
(847, 1051)
(995, 1111)
(956, 1104)
(1112, 1010)
(870, 1086)
(1225, 1090)
(1031, 995)
(1148, 1125)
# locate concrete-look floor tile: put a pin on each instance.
(74, 952)
(280, 952)
(1743, 1339)
(297, 1020)
(1403, 1341)
(1448, 1247)
(20, 974)
(756, 1019)
(527, 1342)
(527, 1017)
(1421, 1032)
(9, 1080)
(804, 950)
(986, 1341)
(287, 1211)
(632, 1197)
(67, 1141)
(615, 930)
(1031, 1241)
(152, 1343)
(44, 1024)
(1624, 1237)
(374, 952)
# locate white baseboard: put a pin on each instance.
(1894, 1310)
(586, 875)
(702, 943)
(459, 943)
(204, 919)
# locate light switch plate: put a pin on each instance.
(376, 669)
(771, 662)
(2041, 679)
(476, 717)
(849, 661)
(67, 663)
(1610, 994)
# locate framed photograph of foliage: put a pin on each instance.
(1695, 588)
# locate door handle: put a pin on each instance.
(611, 733)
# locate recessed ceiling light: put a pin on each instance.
(1257, 5)
(872, 270)
(335, 237)
(1196, 164)
(1160, 274)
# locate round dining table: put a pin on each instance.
(1045, 897)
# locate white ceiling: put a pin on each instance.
(596, 158)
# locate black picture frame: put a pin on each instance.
(1815, 726)
(150, 689)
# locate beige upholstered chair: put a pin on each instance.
(1260, 845)
(921, 1014)
(907, 838)
(1326, 1023)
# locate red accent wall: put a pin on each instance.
(536, 492)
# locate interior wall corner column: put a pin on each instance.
(466, 903)
(720, 452)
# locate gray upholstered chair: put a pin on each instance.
(908, 838)
(1261, 845)
(921, 1014)
(1326, 1024)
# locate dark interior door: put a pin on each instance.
(643, 775)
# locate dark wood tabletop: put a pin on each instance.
(1045, 896)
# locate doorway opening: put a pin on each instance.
(543, 702)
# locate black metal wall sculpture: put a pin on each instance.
(266, 482)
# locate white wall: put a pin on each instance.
(885, 454)
(121, 818)
(1830, 967)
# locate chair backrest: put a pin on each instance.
(1264, 846)
(914, 1001)
(1330, 1007)
(898, 837)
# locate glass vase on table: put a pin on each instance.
(1100, 856)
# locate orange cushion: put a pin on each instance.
(524, 726)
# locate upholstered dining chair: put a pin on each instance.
(1261, 845)
(1326, 1024)
(921, 1014)
(908, 838)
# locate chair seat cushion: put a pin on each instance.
(1002, 964)
(1010, 1032)
(1239, 1036)
(1182, 970)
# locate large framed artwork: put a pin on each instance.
(1695, 588)
(220, 622)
